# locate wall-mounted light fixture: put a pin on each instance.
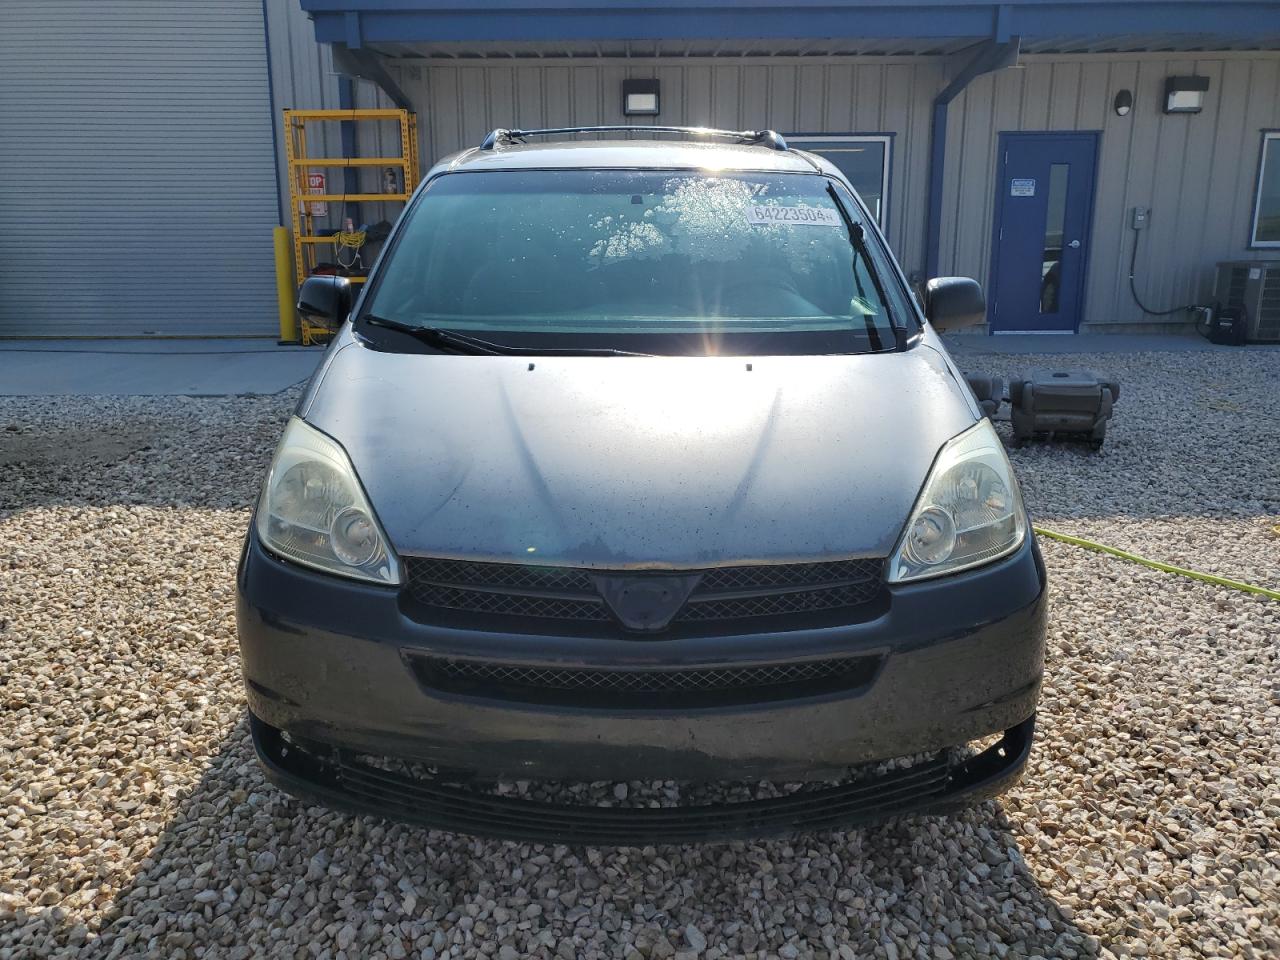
(1123, 103)
(1184, 94)
(640, 98)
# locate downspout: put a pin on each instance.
(350, 148)
(281, 203)
(993, 54)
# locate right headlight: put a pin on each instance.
(314, 512)
(969, 512)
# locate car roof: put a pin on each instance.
(629, 154)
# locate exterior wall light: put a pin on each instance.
(640, 98)
(1184, 94)
(1123, 103)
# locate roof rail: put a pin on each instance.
(768, 138)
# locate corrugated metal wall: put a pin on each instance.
(302, 78)
(137, 191)
(137, 187)
(1196, 172)
(458, 105)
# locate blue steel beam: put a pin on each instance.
(407, 21)
(995, 54)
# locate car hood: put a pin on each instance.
(629, 463)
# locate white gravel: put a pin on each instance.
(136, 822)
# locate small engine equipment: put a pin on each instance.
(1073, 404)
(1227, 325)
(988, 390)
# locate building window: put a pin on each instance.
(863, 158)
(1266, 205)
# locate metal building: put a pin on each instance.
(1009, 141)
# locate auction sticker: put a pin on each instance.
(793, 216)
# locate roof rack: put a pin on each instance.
(768, 138)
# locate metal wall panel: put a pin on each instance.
(1196, 172)
(303, 78)
(458, 104)
(137, 190)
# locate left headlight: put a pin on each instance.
(314, 512)
(969, 512)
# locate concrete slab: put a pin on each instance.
(215, 368)
(198, 368)
(1020, 343)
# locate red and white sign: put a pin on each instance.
(316, 184)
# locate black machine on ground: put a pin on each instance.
(1072, 403)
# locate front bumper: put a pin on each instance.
(327, 661)
(340, 779)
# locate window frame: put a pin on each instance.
(1268, 136)
(804, 140)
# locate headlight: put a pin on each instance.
(969, 512)
(314, 512)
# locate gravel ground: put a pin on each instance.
(137, 824)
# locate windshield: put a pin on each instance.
(626, 258)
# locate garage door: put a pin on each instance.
(137, 181)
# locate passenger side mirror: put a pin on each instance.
(952, 303)
(325, 300)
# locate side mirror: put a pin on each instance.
(952, 303)
(325, 300)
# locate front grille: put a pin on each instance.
(517, 576)
(513, 604)
(771, 605)
(570, 595)
(767, 575)
(683, 687)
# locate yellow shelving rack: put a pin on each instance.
(306, 242)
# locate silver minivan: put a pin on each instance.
(639, 460)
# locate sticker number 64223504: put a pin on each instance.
(793, 216)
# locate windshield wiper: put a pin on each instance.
(857, 237)
(434, 336)
(463, 343)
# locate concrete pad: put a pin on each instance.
(1041, 343)
(215, 368)
(198, 368)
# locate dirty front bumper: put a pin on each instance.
(332, 671)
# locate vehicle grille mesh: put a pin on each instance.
(621, 688)
(571, 594)
(517, 576)
(512, 604)
(770, 605)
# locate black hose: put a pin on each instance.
(1133, 287)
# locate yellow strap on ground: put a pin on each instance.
(1157, 565)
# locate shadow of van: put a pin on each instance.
(244, 870)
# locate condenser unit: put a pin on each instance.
(1255, 286)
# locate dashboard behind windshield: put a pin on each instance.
(615, 255)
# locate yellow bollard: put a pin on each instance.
(284, 287)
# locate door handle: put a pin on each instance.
(1074, 244)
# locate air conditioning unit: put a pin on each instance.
(1255, 286)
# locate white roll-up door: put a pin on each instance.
(137, 174)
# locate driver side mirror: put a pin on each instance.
(952, 303)
(325, 300)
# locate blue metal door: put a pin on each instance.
(1044, 205)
